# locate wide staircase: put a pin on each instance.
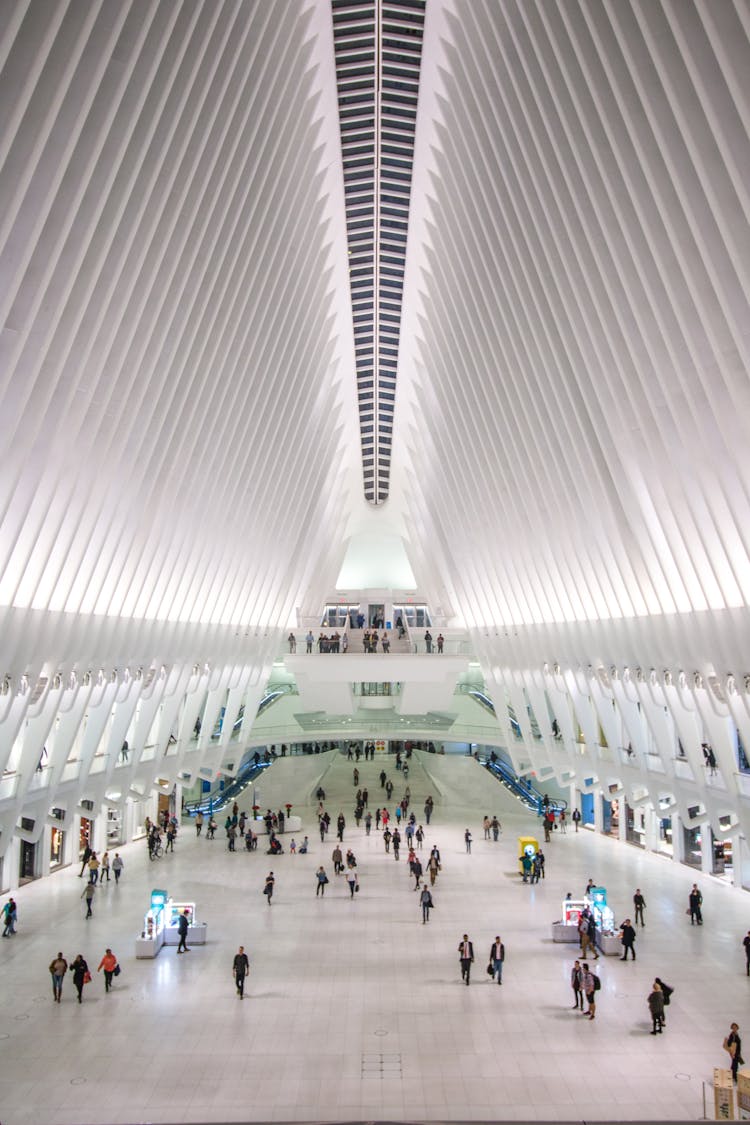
(340, 789)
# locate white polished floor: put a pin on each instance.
(354, 1009)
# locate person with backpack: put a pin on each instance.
(425, 901)
(591, 985)
(576, 983)
(268, 888)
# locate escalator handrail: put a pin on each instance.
(217, 798)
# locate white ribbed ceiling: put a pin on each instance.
(579, 313)
(172, 413)
(179, 415)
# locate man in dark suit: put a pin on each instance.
(466, 956)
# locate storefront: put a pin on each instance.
(56, 848)
(635, 826)
(85, 836)
(27, 867)
(114, 827)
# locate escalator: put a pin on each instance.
(228, 792)
(522, 788)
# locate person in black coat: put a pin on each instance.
(667, 991)
(240, 969)
(497, 957)
(627, 932)
(466, 956)
(733, 1044)
(80, 971)
(182, 929)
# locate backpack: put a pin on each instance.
(597, 983)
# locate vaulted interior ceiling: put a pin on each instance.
(180, 419)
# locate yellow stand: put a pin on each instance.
(523, 842)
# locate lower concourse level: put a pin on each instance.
(354, 1008)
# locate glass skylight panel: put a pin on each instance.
(378, 49)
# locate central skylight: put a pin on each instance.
(378, 47)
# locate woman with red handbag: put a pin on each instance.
(81, 975)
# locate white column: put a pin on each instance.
(598, 811)
(622, 822)
(651, 824)
(678, 840)
(740, 862)
(707, 850)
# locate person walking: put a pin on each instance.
(591, 986)
(340, 826)
(576, 983)
(419, 837)
(58, 968)
(497, 957)
(627, 937)
(576, 818)
(292, 640)
(85, 858)
(109, 964)
(656, 1008)
(465, 956)
(425, 901)
(639, 903)
(104, 872)
(746, 945)
(240, 969)
(733, 1045)
(81, 975)
(467, 841)
(396, 840)
(695, 902)
(338, 860)
(199, 824)
(88, 893)
(416, 870)
(322, 880)
(94, 868)
(117, 866)
(10, 914)
(268, 888)
(495, 825)
(433, 866)
(182, 929)
(563, 822)
(353, 882)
